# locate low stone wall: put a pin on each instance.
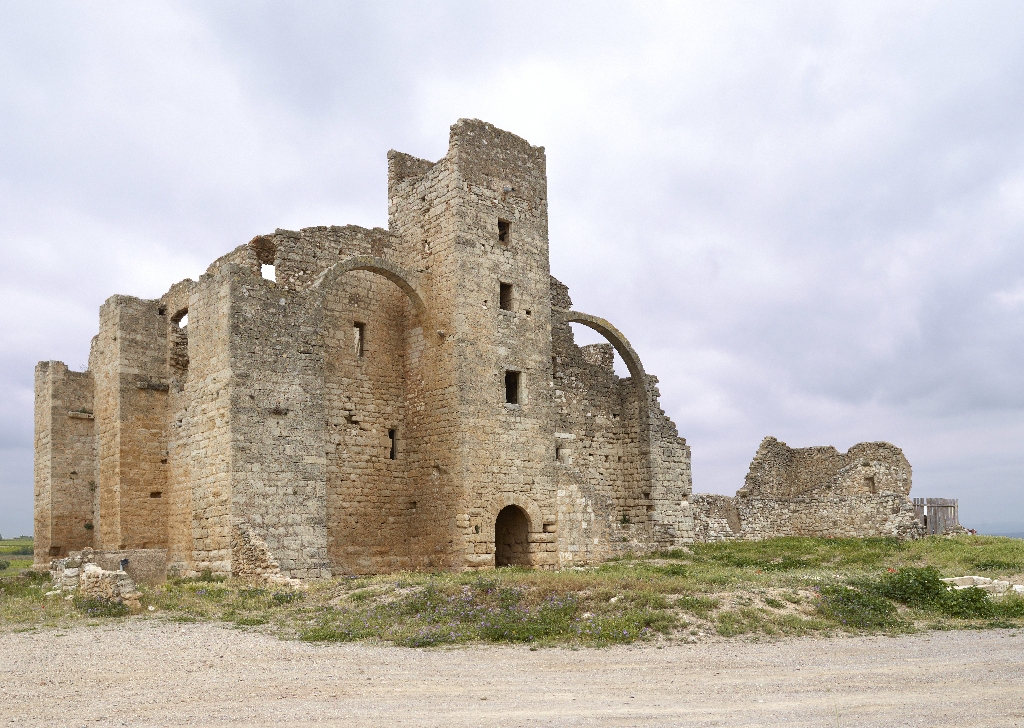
(93, 582)
(144, 566)
(725, 518)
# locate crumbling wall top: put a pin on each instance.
(780, 471)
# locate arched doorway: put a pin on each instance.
(511, 537)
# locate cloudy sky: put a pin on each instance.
(807, 217)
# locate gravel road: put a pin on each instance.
(148, 673)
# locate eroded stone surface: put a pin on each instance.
(374, 407)
(814, 491)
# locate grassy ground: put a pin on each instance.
(16, 553)
(790, 586)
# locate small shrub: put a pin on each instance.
(208, 575)
(251, 621)
(699, 606)
(1011, 606)
(673, 554)
(252, 593)
(34, 577)
(773, 603)
(856, 609)
(924, 589)
(913, 586)
(997, 565)
(672, 570)
(100, 607)
(4, 565)
(286, 597)
(970, 603)
(19, 586)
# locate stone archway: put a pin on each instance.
(511, 537)
(392, 271)
(626, 351)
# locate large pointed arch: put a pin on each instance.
(381, 266)
(626, 351)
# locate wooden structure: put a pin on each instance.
(938, 515)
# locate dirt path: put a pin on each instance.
(152, 674)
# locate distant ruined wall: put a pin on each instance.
(815, 491)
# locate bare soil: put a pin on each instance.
(146, 673)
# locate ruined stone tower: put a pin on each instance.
(408, 398)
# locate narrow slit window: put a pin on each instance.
(359, 338)
(505, 296)
(504, 227)
(393, 437)
(511, 387)
(558, 454)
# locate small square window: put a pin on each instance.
(504, 228)
(505, 296)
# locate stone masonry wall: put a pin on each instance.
(723, 518)
(207, 433)
(65, 461)
(507, 448)
(129, 361)
(624, 473)
(814, 492)
(178, 495)
(237, 412)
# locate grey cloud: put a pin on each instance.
(805, 217)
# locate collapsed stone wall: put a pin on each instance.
(780, 471)
(814, 491)
(623, 471)
(91, 581)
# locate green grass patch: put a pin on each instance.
(853, 609)
(100, 607)
(788, 586)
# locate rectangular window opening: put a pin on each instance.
(359, 337)
(511, 387)
(268, 272)
(505, 296)
(869, 483)
(156, 494)
(558, 454)
(504, 226)
(393, 436)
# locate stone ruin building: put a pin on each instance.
(409, 398)
(814, 491)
